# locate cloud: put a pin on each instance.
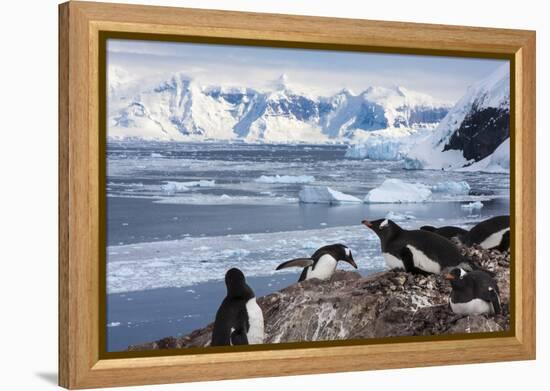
(318, 71)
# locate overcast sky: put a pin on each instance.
(319, 71)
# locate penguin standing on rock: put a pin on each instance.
(493, 233)
(322, 263)
(474, 293)
(416, 251)
(239, 320)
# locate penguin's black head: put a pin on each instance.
(384, 228)
(343, 253)
(236, 284)
(455, 275)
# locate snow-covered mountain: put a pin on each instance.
(179, 108)
(475, 129)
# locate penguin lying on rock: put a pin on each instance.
(493, 233)
(448, 232)
(322, 263)
(239, 320)
(474, 293)
(416, 251)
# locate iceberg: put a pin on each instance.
(325, 195)
(285, 179)
(398, 191)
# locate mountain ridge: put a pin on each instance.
(180, 108)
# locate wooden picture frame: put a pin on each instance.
(81, 25)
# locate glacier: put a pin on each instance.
(473, 135)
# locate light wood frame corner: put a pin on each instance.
(80, 25)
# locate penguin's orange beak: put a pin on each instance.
(449, 276)
(367, 223)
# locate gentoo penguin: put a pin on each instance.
(322, 263)
(493, 233)
(474, 293)
(239, 320)
(448, 231)
(416, 251)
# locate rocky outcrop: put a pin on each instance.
(348, 306)
(481, 132)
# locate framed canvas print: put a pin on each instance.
(247, 195)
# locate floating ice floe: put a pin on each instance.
(174, 187)
(325, 195)
(399, 216)
(113, 324)
(171, 187)
(398, 191)
(472, 205)
(154, 154)
(452, 188)
(285, 179)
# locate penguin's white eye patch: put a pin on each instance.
(383, 223)
(347, 252)
(462, 273)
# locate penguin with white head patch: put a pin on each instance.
(474, 293)
(322, 263)
(448, 231)
(416, 251)
(493, 233)
(239, 320)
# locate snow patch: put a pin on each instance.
(497, 162)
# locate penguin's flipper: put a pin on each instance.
(504, 242)
(407, 258)
(297, 262)
(491, 295)
(238, 337)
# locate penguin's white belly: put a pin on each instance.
(473, 307)
(393, 262)
(324, 268)
(255, 334)
(494, 239)
(423, 262)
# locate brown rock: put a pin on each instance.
(348, 306)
